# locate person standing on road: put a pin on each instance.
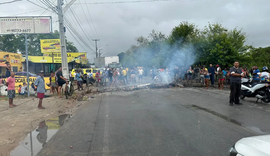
(53, 85)
(189, 74)
(79, 80)
(8, 69)
(140, 72)
(110, 74)
(60, 80)
(40, 85)
(11, 89)
(220, 78)
(211, 70)
(114, 77)
(235, 83)
(206, 77)
(124, 73)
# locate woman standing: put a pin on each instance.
(220, 78)
(189, 74)
(114, 78)
(206, 77)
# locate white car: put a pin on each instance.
(252, 146)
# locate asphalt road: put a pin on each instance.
(171, 122)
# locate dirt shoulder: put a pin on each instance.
(17, 122)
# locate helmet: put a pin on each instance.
(265, 68)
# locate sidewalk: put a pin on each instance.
(17, 122)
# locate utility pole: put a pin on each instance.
(62, 40)
(96, 46)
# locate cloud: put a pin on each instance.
(117, 25)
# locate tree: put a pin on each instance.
(218, 45)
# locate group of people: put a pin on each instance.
(56, 83)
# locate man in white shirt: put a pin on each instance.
(140, 72)
(24, 89)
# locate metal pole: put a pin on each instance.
(27, 70)
(96, 46)
(63, 40)
(31, 144)
(53, 62)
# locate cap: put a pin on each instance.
(41, 71)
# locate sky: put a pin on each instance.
(118, 24)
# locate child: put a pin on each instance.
(53, 85)
(19, 90)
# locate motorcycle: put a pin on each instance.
(259, 90)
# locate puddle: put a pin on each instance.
(37, 139)
(256, 130)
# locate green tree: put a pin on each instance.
(218, 45)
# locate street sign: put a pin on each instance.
(50, 46)
(25, 25)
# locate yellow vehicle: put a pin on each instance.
(86, 71)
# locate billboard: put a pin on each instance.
(25, 25)
(50, 46)
(71, 57)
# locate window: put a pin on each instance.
(15, 69)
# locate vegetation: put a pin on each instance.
(15, 43)
(187, 45)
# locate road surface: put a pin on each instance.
(171, 122)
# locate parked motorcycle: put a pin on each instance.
(259, 90)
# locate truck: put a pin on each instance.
(103, 62)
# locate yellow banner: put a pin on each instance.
(21, 80)
(47, 58)
(50, 46)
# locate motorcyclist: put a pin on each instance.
(264, 75)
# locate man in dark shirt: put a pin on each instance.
(235, 82)
(212, 75)
(110, 74)
(60, 80)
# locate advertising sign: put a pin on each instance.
(25, 25)
(71, 57)
(50, 46)
(21, 80)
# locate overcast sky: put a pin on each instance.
(118, 24)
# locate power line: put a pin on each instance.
(87, 20)
(36, 4)
(91, 19)
(68, 23)
(10, 2)
(138, 1)
(46, 9)
(74, 15)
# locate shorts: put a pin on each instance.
(11, 94)
(61, 83)
(132, 75)
(40, 95)
(79, 82)
(140, 76)
(221, 79)
(53, 84)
